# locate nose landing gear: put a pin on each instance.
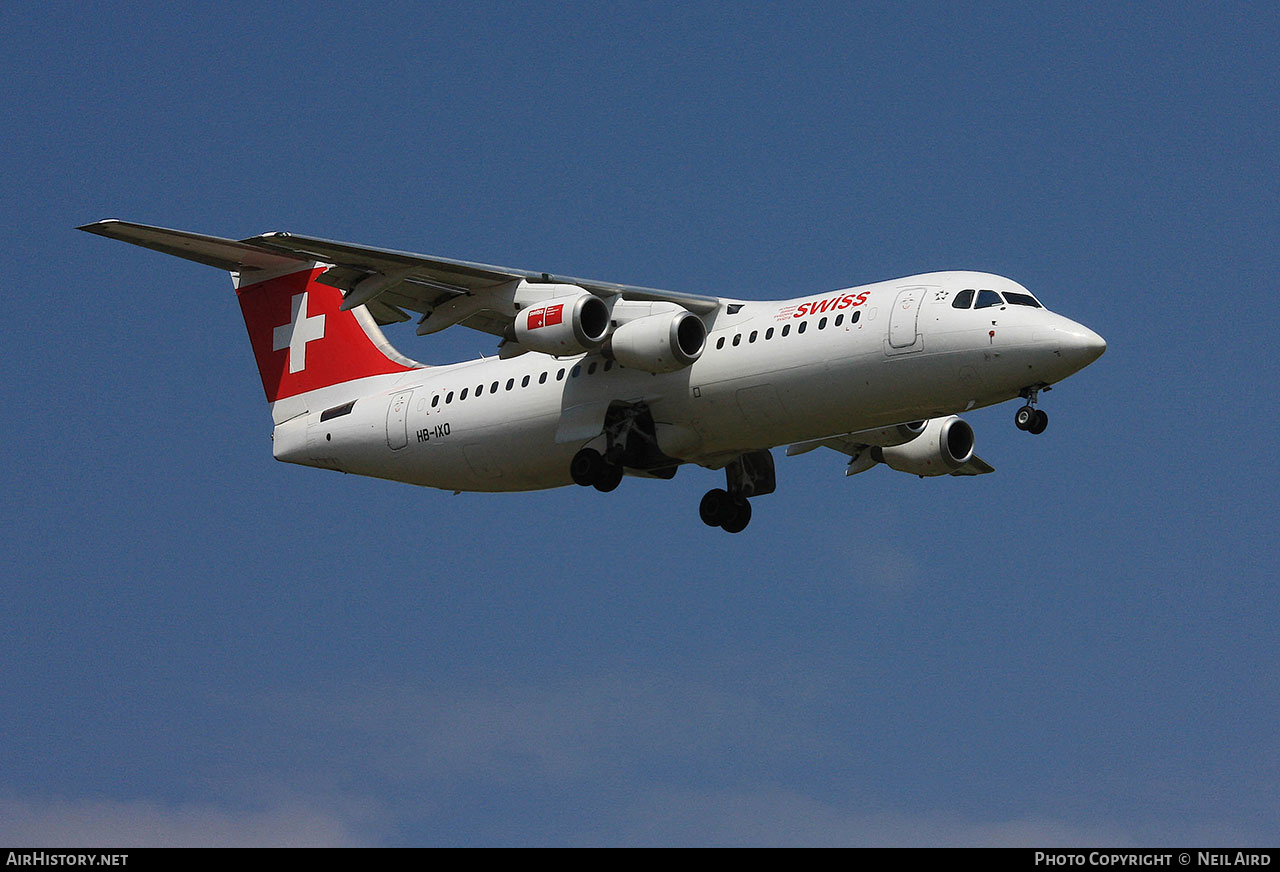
(1030, 418)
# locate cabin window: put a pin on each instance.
(608, 365)
(435, 401)
(803, 324)
(737, 339)
(512, 383)
(768, 334)
(560, 374)
(576, 371)
(752, 337)
(963, 300)
(822, 325)
(493, 388)
(449, 398)
(987, 299)
(1021, 300)
(786, 328)
(839, 320)
(479, 390)
(591, 370)
(524, 382)
(719, 343)
(853, 319)
(462, 396)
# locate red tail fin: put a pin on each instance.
(304, 342)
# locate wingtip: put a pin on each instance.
(93, 226)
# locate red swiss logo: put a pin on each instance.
(547, 316)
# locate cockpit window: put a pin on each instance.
(963, 300)
(987, 299)
(1021, 299)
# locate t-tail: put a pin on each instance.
(311, 355)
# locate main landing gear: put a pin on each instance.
(1030, 418)
(719, 509)
(750, 475)
(629, 440)
(590, 468)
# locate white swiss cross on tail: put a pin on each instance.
(287, 313)
(298, 332)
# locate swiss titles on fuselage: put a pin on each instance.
(827, 304)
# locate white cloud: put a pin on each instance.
(573, 731)
(654, 761)
(113, 824)
(779, 817)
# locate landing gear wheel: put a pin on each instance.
(716, 507)
(1024, 417)
(741, 516)
(586, 466)
(609, 478)
(1039, 421)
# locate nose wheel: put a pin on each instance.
(1030, 418)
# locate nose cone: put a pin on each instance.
(1080, 344)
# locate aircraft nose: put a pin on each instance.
(1081, 343)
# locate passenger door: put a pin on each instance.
(904, 336)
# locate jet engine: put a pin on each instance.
(659, 343)
(563, 325)
(943, 446)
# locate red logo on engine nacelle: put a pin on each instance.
(547, 316)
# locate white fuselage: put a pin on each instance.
(867, 357)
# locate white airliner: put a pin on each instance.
(596, 380)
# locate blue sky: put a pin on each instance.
(203, 646)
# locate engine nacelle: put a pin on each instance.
(945, 445)
(659, 343)
(568, 324)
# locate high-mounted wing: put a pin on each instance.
(387, 282)
(423, 284)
